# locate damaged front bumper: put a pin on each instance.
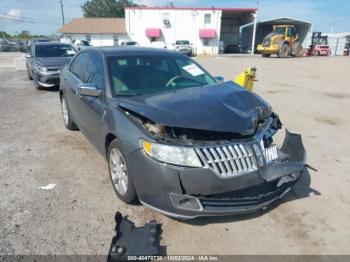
(187, 193)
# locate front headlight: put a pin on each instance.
(182, 156)
(40, 68)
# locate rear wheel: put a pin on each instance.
(68, 122)
(316, 53)
(284, 51)
(300, 52)
(121, 179)
(265, 55)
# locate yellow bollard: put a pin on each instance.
(247, 78)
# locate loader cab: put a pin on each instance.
(285, 30)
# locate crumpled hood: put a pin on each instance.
(53, 61)
(223, 107)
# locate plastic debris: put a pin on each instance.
(48, 187)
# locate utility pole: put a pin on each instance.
(61, 1)
(254, 28)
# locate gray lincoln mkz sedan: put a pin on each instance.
(177, 139)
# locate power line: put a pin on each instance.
(25, 20)
(13, 17)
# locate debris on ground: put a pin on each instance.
(134, 241)
(48, 187)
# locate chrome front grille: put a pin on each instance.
(270, 153)
(228, 160)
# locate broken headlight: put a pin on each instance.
(176, 155)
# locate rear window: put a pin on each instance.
(182, 42)
(54, 51)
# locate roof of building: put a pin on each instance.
(192, 8)
(338, 35)
(279, 21)
(94, 26)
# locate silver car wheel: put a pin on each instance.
(118, 171)
(65, 111)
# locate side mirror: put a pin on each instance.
(219, 79)
(28, 56)
(89, 90)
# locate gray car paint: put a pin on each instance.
(155, 181)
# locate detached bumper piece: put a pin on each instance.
(133, 241)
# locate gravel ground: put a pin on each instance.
(312, 97)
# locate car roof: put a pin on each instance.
(120, 51)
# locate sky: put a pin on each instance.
(44, 16)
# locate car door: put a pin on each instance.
(72, 78)
(92, 108)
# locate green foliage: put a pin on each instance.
(24, 35)
(3, 34)
(106, 8)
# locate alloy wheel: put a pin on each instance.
(118, 171)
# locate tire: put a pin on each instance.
(265, 55)
(68, 122)
(300, 52)
(29, 76)
(316, 53)
(284, 51)
(35, 83)
(121, 179)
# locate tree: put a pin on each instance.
(3, 34)
(169, 4)
(24, 35)
(106, 8)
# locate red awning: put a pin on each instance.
(207, 33)
(153, 32)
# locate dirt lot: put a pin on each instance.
(312, 97)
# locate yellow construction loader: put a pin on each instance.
(282, 41)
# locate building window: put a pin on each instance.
(207, 18)
(88, 37)
(115, 40)
(206, 41)
(166, 20)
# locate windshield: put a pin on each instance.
(280, 30)
(134, 74)
(54, 51)
(182, 42)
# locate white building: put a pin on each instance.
(99, 31)
(205, 28)
(338, 42)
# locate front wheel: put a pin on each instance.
(29, 75)
(35, 83)
(284, 51)
(121, 179)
